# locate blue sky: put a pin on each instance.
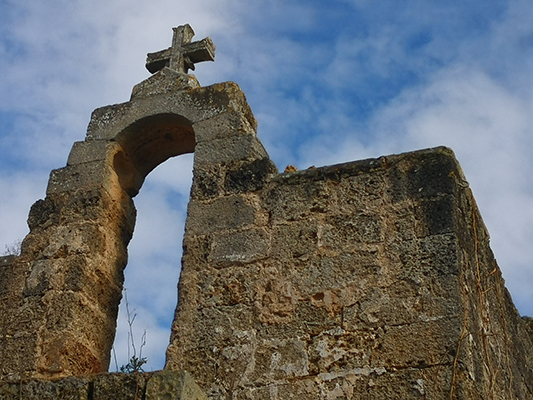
(329, 82)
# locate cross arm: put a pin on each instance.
(203, 50)
(158, 60)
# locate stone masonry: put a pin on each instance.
(367, 280)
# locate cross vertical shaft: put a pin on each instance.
(178, 60)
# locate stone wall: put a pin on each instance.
(372, 279)
(160, 385)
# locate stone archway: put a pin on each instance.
(70, 273)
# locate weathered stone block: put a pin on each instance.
(379, 383)
(27, 315)
(76, 335)
(19, 341)
(360, 193)
(296, 240)
(424, 174)
(104, 118)
(400, 303)
(292, 317)
(439, 253)
(118, 386)
(276, 298)
(222, 96)
(435, 256)
(167, 385)
(8, 269)
(224, 125)
(91, 276)
(222, 348)
(229, 212)
(44, 276)
(89, 151)
(70, 388)
(164, 81)
(248, 176)
(418, 344)
(338, 350)
(81, 238)
(277, 359)
(195, 105)
(207, 182)
(240, 247)
(77, 206)
(109, 123)
(44, 213)
(435, 216)
(227, 286)
(170, 385)
(226, 150)
(287, 201)
(196, 251)
(87, 176)
(404, 225)
(347, 230)
(301, 389)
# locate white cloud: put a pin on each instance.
(17, 193)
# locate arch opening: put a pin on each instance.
(154, 261)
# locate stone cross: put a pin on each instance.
(183, 54)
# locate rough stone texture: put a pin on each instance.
(371, 279)
(161, 385)
(169, 385)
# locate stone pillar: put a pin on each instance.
(226, 229)
(71, 269)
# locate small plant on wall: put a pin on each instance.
(136, 362)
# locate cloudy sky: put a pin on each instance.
(329, 82)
